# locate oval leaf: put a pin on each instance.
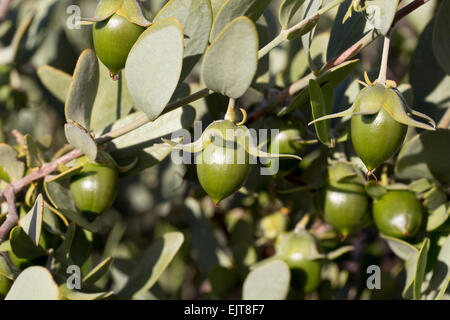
(154, 65)
(380, 14)
(270, 281)
(287, 11)
(402, 249)
(34, 283)
(195, 16)
(441, 43)
(78, 137)
(22, 245)
(31, 223)
(56, 81)
(99, 271)
(231, 61)
(10, 164)
(232, 9)
(83, 89)
(417, 159)
(321, 105)
(113, 101)
(154, 261)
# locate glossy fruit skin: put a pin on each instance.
(398, 214)
(376, 137)
(297, 250)
(284, 142)
(218, 170)
(5, 285)
(95, 188)
(346, 205)
(113, 39)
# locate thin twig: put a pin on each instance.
(403, 12)
(12, 218)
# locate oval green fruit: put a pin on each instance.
(286, 142)
(398, 214)
(113, 39)
(345, 203)
(298, 249)
(222, 169)
(94, 188)
(376, 137)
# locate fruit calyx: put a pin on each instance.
(376, 97)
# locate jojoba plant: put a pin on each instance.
(156, 186)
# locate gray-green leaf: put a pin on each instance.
(154, 65)
(269, 281)
(231, 61)
(78, 137)
(153, 262)
(83, 89)
(195, 16)
(56, 81)
(441, 31)
(31, 223)
(34, 283)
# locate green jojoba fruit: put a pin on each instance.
(287, 141)
(222, 169)
(298, 250)
(377, 137)
(113, 40)
(345, 203)
(94, 189)
(380, 119)
(398, 214)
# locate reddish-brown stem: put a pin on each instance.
(403, 12)
(9, 193)
(12, 218)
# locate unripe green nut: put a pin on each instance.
(94, 189)
(113, 40)
(398, 214)
(377, 137)
(286, 142)
(219, 168)
(345, 201)
(298, 250)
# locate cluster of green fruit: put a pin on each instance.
(380, 117)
